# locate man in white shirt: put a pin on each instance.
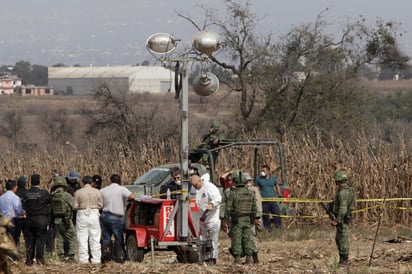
(114, 197)
(208, 199)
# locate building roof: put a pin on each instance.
(143, 72)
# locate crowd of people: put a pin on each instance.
(78, 218)
(86, 218)
(246, 202)
(90, 216)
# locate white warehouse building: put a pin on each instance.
(133, 79)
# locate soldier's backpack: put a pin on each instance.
(60, 207)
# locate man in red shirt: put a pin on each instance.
(226, 180)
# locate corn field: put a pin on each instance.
(377, 170)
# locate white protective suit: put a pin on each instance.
(209, 228)
(88, 231)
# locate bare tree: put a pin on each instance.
(12, 127)
(312, 81)
(125, 120)
(306, 76)
(240, 49)
(57, 126)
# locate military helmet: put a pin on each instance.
(340, 176)
(215, 125)
(239, 178)
(59, 181)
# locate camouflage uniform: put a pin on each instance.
(256, 191)
(342, 208)
(65, 231)
(240, 213)
(211, 140)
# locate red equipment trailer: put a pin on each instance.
(156, 224)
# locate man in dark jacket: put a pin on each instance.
(21, 192)
(21, 187)
(36, 202)
(174, 185)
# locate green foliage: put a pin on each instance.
(381, 46)
(5, 69)
(23, 70)
(397, 106)
(30, 74)
(39, 75)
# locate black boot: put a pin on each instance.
(343, 259)
(255, 258)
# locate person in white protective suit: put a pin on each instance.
(208, 199)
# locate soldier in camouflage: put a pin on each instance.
(211, 140)
(241, 214)
(342, 206)
(250, 185)
(62, 213)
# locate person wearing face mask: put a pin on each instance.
(174, 185)
(267, 184)
(208, 200)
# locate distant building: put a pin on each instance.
(132, 79)
(8, 83)
(34, 91)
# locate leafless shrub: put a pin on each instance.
(127, 120)
(57, 126)
(12, 127)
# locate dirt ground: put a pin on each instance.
(300, 249)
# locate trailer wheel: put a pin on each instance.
(134, 253)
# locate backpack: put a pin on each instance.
(60, 207)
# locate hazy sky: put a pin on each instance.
(114, 32)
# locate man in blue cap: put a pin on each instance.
(73, 180)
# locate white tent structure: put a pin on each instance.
(133, 79)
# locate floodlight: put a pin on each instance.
(161, 43)
(206, 42)
(205, 84)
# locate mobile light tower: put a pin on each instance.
(204, 44)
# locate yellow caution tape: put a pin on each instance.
(304, 200)
(380, 203)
